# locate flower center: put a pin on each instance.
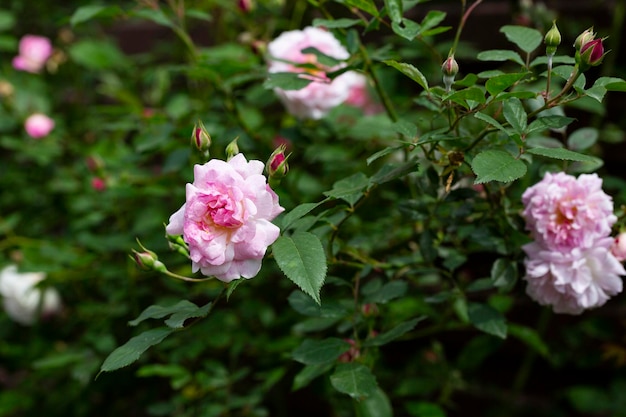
(222, 210)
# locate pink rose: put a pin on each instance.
(21, 297)
(316, 99)
(38, 125)
(563, 212)
(226, 219)
(34, 51)
(360, 96)
(575, 280)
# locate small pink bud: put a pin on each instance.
(619, 247)
(276, 165)
(592, 52)
(38, 125)
(369, 310)
(200, 138)
(98, 184)
(245, 5)
(351, 354)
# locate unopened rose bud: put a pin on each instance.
(591, 54)
(583, 38)
(619, 247)
(276, 165)
(148, 261)
(369, 310)
(98, 184)
(245, 5)
(232, 149)
(450, 69)
(200, 138)
(552, 40)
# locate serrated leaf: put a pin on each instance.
(466, 96)
(389, 291)
(354, 379)
(500, 55)
(500, 83)
(317, 352)
(406, 28)
(525, 38)
(432, 19)
(495, 165)
(394, 9)
(611, 83)
(308, 374)
(562, 154)
(389, 172)
(86, 13)
(491, 121)
(504, 274)
(398, 331)
(365, 5)
(383, 152)
(349, 189)
(487, 319)
(301, 258)
(597, 93)
(548, 122)
(297, 212)
(286, 81)
(134, 348)
(410, 71)
(337, 23)
(179, 312)
(405, 128)
(515, 114)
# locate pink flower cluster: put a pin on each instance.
(570, 265)
(323, 94)
(34, 51)
(38, 125)
(226, 219)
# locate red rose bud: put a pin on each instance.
(591, 54)
(148, 261)
(583, 38)
(245, 5)
(201, 138)
(276, 165)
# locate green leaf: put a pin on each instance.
(410, 71)
(322, 58)
(500, 83)
(386, 293)
(562, 154)
(301, 258)
(394, 9)
(350, 189)
(7, 20)
(376, 405)
(354, 379)
(308, 374)
(406, 28)
(86, 13)
(317, 352)
(337, 24)
(530, 337)
(432, 19)
(286, 81)
(548, 122)
(515, 114)
(526, 39)
(611, 83)
(500, 55)
(495, 165)
(389, 172)
(467, 95)
(303, 304)
(134, 348)
(365, 5)
(383, 152)
(487, 319)
(491, 121)
(179, 312)
(97, 55)
(405, 128)
(297, 212)
(155, 15)
(582, 139)
(504, 273)
(396, 332)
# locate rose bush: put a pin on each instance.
(226, 219)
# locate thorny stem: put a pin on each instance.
(549, 77)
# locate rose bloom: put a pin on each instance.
(563, 212)
(575, 280)
(21, 298)
(38, 125)
(360, 96)
(34, 51)
(316, 99)
(619, 247)
(226, 219)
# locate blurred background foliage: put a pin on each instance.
(125, 87)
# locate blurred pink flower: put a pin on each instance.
(34, 51)
(316, 99)
(226, 219)
(98, 184)
(38, 125)
(574, 280)
(360, 95)
(22, 300)
(563, 212)
(619, 247)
